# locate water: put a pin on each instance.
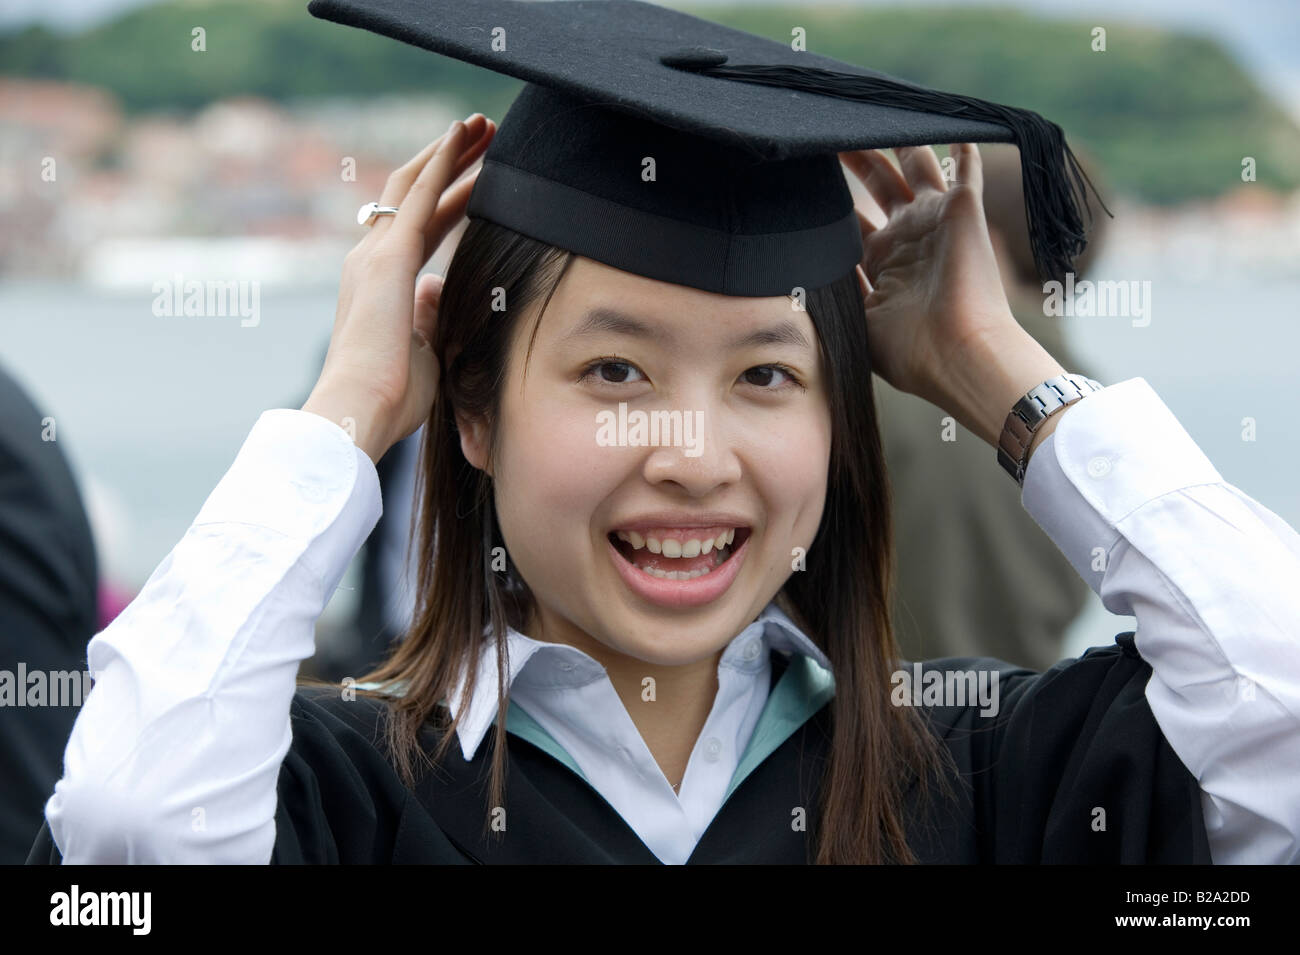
(151, 411)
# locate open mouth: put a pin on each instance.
(679, 554)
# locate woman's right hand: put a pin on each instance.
(381, 375)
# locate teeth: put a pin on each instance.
(675, 574)
(670, 547)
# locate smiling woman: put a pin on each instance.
(778, 460)
(689, 657)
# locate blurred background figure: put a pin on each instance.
(388, 568)
(386, 600)
(48, 612)
(975, 574)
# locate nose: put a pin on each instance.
(706, 458)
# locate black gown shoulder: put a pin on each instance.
(1072, 768)
(340, 799)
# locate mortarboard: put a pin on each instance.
(679, 149)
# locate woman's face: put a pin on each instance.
(731, 392)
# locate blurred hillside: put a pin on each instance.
(1169, 115)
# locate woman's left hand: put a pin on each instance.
(932, 283)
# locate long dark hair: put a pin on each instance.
(878, 750)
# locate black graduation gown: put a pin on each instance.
(1076, 737)
(49, 602)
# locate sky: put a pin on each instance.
(1265, 34)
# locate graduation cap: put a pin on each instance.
(679, 149)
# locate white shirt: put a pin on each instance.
(176, 753)
(568, 693)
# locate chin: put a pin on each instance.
(676, 639)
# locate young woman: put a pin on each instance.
(750, 711)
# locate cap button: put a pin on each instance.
(693, 58)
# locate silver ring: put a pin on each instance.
(373, 210)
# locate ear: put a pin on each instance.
(474, 441)
(473, 431)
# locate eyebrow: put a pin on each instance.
(611, 320)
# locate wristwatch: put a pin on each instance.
(1029, 413)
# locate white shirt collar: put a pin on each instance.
(573, 667)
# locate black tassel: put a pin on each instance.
(1054, 184)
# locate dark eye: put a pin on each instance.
(761, 376)
(610, 371)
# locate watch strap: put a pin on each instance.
(1028, 414)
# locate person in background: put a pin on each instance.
(975, 575)
(48, 612)
(386, 601)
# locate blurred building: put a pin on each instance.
(92, 190)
